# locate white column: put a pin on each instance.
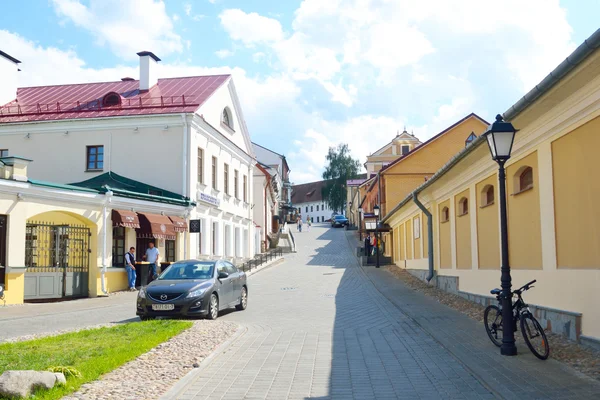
(546, 193)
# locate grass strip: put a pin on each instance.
(92, 352)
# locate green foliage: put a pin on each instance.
(341, 167)
(91, 353)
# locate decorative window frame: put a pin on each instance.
(485, 202)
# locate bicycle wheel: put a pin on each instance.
(492, 318)
(534, 336)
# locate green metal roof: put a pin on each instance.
(61, 186)
(121, 183)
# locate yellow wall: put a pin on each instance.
(445, 245)
(405, 176)
(409, 240)
(525, 244)
(402, 239)
(575, 163)
(418, 241)
(15, 287)
(488, 229)
(424, 233)
(116, 279)
(463, 233)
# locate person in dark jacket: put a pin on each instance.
(367, 245)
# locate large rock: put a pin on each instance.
(22, 383)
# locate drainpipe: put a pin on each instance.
(429, 234)
(107, 201)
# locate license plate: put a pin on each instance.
(163, 307)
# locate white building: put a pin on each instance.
(186, 135)
(265, 206)
(309, 202)
(278, 163)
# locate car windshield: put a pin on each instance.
(189, 270)
(339, 217)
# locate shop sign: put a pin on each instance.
(209, 199)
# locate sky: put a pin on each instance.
(311, 74)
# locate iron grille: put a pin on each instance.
(50, 247)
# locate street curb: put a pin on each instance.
(188, 378)
(272, 264)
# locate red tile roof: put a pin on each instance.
(172, 95)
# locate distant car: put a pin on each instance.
(194, 288)
(339, 220)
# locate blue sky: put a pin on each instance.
(313, 73)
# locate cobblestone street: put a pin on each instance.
(318, 328)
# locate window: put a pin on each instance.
(95, 158)
(317, 207)
(200, 236)
(306, 208)
(111, 99)
(445, 214)
(526, 179)
(323, 207)
(226, 119)
(170, 250)
(214, 173)
(226, 178)
(3, 152)
(487, 196)
(463, 206)
(245, 189)
(470, 139)
(311, 208)
(317, 219)
(118, 247)
(214, 238)
(405, 149)
(236, 184)
(200, 165)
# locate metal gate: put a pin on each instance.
(57, 258)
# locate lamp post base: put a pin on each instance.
(508, 350)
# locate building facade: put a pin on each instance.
(552, 214)
(308, 201)
(402, 144)
(185, 135)
(267, 190)
(278, 163)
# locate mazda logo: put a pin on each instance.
(163, 296)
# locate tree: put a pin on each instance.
(341, 167)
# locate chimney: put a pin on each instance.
(148, 76)
(9, 70)
(15, 168)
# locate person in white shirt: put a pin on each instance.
(130, 267)
(151, 256)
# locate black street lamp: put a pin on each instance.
(377, 244)
(500, 136)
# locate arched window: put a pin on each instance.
(111, 99)
(526, 179)
(463, 206)
(487, 195)
(226, 118)
(445, 214)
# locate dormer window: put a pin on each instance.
(470, 139)
(226, 118)
(111, 99)
(405, 149)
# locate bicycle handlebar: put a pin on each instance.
(526, 286)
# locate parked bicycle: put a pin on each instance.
(532, 331)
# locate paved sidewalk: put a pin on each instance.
(33, 319)
(522, 377)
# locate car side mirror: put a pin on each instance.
(223, 275)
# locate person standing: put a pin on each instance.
(151, 256)
(308, 223)
(368, 244)
(299, 223)
(130, 267)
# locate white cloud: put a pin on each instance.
(258, 57)
(175, 17)
(187, 7)
(110, 21)
(223, 53)
(251, 28)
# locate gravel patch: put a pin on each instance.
(152, 374)
(53, 333)
(582, 358)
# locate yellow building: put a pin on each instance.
(402, 144)
(552, 194)
(64, 241)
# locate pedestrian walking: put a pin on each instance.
(308, 223)
(299, 224)
(130, 267)
(368, 244)
(373, 245)
(152, 255)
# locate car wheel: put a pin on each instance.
(213, 307)
(243, 300)
(147, 317)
